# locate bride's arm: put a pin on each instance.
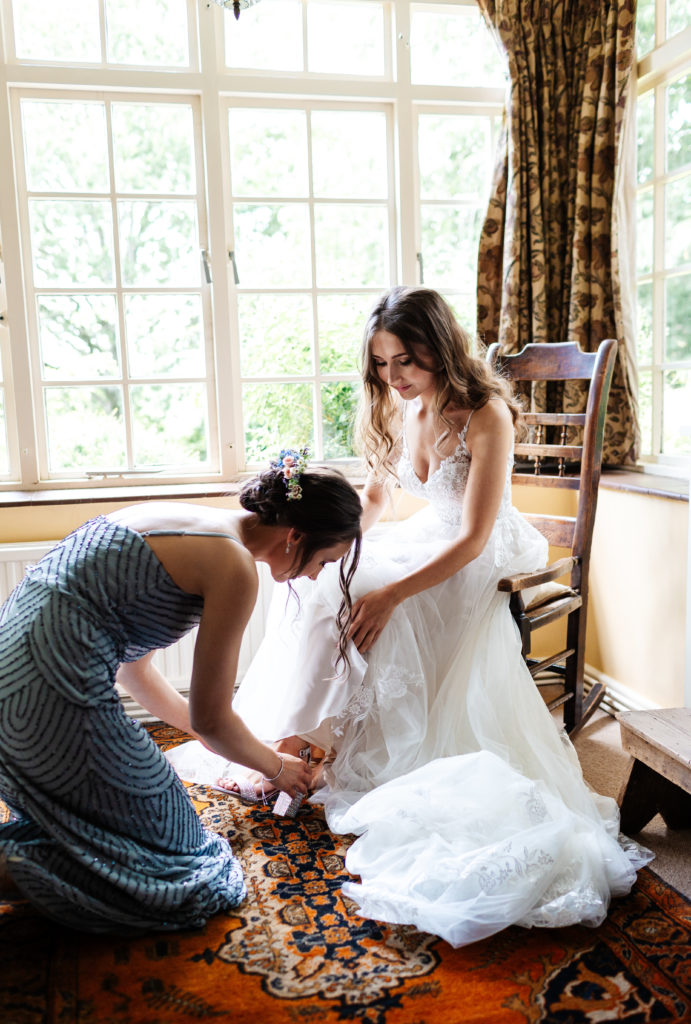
(490, 440)
(377, 492)
(376, 495)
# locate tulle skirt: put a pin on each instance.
(469, 803)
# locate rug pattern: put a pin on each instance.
(296, 950)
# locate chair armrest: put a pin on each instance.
(524, 580)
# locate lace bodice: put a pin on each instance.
(445, 488)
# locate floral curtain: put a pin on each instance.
(549, 260)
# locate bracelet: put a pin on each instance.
(278, 773)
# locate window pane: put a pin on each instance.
(85, 428)
(169, 425)
(71, 241)
(454, 155)
(66, 146)
(644, 231)
(449, 246)
(645, 26)
(153, 147)
(676, 439)
(645, 411)
(152, 33)
(79, 336)
(352, 246)
(269, 35)
(275, 335)
(678, 125)
(341, 324)
(272, 245)
(464, 308)
(268, 152)
(678, 16)
(678, 222)
(677, 318)
(437, 39)
(349, 154)
(644, 336)
(276, 416)
(68, 31)
(339, 405)
(159, 243)
(345, 39)
(165, 336)
(645, 114)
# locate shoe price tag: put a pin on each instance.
(287, 806)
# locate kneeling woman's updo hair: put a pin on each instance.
(328, 512)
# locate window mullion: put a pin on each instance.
(317, 393)
(404, 145)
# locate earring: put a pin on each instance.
(287, 549)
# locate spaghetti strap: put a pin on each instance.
(462, 435)
(185, 533)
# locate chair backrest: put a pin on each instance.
(562, 464)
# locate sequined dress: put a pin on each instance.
(469, 804)
(103, 836)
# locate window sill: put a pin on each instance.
(640, 482)
(96, 495)
(129, 495)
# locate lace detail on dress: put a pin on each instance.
(445, 488)
(567, 900)
(391, 684)
(510, 868)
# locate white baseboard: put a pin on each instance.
(618, 697)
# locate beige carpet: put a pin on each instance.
(604, 766)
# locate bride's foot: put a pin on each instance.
(251, 788)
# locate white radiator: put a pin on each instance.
(174, 662)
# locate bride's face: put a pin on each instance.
(395, 367)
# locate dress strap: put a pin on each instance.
(185, 533)
(462, 435)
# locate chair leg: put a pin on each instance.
(574, 670)
(579, 708)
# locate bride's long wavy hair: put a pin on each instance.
(425, 325)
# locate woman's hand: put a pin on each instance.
(370, 615)
(295, 777)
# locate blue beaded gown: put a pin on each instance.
(102, 835)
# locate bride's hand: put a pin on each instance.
(370, 615)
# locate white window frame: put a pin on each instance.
(213, 85)
(667, 61)
(120, 291)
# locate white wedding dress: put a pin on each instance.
(469, 804)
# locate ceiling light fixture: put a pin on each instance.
(236, 5)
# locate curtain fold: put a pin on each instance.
(548, 264)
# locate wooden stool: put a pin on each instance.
(659, 779)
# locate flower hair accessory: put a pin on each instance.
(293, 463)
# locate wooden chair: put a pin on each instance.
(547, 460)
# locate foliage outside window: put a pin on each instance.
(663, 237)
(204, 225)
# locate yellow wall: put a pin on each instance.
(636, 620)
(51, 522)
(637, 615)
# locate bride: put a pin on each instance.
(440, 755)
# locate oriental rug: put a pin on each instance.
(296, 950)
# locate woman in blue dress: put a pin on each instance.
(102, 835)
